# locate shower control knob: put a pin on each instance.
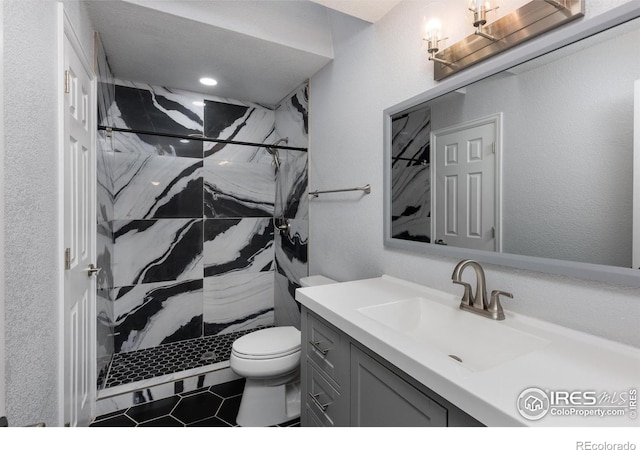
(93, 270)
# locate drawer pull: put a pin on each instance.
(314, 397)
(316, 345)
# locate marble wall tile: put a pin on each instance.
(104, 329)
(244, 123)
(291, 117)
(150, 187)
(291, 255)
(238, 189)
(292, 201)
(410, 176)
(151, 314)
(153, 108)
(237, 301)
(104, 254)
(238, 246)
(147, 144)
(106, 86)
(104, 177)
(149, 251)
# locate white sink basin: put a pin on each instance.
(477, 343)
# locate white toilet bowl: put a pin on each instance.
(270, 361)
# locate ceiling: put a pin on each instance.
(257, 50)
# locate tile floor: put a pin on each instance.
(216, 406)
(128, 367)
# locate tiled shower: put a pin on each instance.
(186, 234)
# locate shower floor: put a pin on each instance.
(170, 358)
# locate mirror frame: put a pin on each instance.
(549, 42)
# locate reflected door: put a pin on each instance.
(465, 192)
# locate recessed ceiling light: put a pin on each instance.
(198, 103)
(208, 81)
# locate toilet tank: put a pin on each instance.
(315, 280)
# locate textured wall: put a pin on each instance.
(375, 67)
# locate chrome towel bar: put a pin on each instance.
(366, 189)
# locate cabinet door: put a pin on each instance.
(381, 398)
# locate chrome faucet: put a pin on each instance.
(478, 303)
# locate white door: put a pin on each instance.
(636, 179)
(79, 237)
(465, 186)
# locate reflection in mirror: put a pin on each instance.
(566, 178)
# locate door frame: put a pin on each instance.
(66, 31)
(496, 121)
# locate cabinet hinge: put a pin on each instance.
(67, 82)
(67, 258)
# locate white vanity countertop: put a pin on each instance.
(572, 361)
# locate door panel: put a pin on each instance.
(79, 240)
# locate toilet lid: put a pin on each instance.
(268, 343)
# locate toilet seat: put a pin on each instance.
(270, 343)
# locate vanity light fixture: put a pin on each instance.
(528, 21)
(480, 8)
(432, 36)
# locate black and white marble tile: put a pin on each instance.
(291, 117)
(291, 255)
(237, 189)
(410, 176)
(147, 144)
(149, 251)
(238, 301)
(238, 246)
(146, 107)
(152, 314)
(106, 85)
(238, 122)
(104, 329)
(292, 200)
(153, 187)
(104, 177)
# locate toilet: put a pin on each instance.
(270, 361)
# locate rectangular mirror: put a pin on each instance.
(526, 164)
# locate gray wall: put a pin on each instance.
(375, 67)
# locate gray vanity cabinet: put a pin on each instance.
(380, 398)
(345, 384)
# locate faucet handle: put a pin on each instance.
(495, 308)
(466, 297)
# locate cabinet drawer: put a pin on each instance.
(322, 399)
(323, 347)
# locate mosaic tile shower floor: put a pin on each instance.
(169, 358)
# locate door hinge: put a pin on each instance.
(67, 82)
(67, 258)
(493, 232)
